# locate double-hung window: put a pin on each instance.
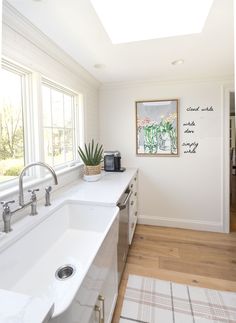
(59, 124)
(12, 121)
(39, 120)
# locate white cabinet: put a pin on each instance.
(133, 206)
(107, 282)
(98, 292)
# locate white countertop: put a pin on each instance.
(106, 191)
(20, 308)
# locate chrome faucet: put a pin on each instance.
(21, 192)
(7, 213)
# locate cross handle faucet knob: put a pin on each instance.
(5, 204)
(6, 216)
(33, 197)
(34, 190)
(48, 189)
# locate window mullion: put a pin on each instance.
(24, 117)
(64, 127)
(80, 121)
(36, 125)
(75, 124)
(26, 87)
(51, 126)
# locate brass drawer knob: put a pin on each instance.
(98, 309)
(102, 300)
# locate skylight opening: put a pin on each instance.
(135, 20)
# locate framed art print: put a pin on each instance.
(157, 128)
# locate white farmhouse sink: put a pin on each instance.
(70, 234)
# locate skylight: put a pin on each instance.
(136, 20)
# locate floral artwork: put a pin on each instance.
(157, 127)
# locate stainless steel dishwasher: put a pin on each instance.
(123, 241)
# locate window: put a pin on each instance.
(59, 121)
(12, 145)
(35, 126)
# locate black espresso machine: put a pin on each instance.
(112, 161)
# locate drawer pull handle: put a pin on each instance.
(135, 178)
(102, 300)
(131, 185)
(136, 213)
(135, 194)
(132, 203)
(98, 309)
(132, 225)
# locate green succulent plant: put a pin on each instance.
(91, 155)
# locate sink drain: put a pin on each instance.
(65, 272)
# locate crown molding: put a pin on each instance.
(22, 26)
(225, 79)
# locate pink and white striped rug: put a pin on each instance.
(149, 300)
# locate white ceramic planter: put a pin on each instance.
(92, 178)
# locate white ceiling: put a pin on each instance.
(74, 26)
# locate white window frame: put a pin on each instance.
(76, 119)
(33, 122)
(26, 75)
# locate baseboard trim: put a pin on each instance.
(180, 223)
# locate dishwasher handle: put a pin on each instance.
(123, 205)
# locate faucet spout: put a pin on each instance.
(21, 192)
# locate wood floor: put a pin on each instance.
(191, 257)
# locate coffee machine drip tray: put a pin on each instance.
(122, 169)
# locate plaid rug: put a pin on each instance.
(149, 300)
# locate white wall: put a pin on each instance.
(184, 191)
(25, 44)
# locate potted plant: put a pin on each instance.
(92, 156)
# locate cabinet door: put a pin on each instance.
(106, 261)
(110, 288)
(133, 209)
(133, 216)
(106, 301)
